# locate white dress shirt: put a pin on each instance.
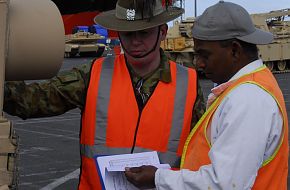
(245, 131)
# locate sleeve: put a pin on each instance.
(46, 98)
(199, 106)
(242, 127)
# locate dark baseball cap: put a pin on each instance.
(226, 20)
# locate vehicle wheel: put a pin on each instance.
(281, 65)
(72, 54)
(87, 54)
(270, 65)
(66, 54)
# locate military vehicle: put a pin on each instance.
(277, 54)
(178, 44)
(84, 43)
(26, 53)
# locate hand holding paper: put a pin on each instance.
(142, 177)
(112, 169)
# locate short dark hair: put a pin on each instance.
(250, 49)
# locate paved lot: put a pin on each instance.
(49, 154)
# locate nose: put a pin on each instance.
(136, 38)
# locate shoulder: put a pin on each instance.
(250, 97)
(247, 110)
(251, 93)
(77, 73)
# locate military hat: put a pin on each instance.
(135, 15)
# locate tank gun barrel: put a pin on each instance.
(274, 14)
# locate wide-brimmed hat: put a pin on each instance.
(135, 15)
(226, 20)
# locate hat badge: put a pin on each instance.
(131, 14)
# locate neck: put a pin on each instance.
(237, 66)
(245, 62)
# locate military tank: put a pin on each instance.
(84, 43)
(277, 54)
(178, 44)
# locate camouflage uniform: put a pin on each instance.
(68, 90)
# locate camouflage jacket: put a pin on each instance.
(68, 89)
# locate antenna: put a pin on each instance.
(195, 8)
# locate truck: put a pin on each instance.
(178, 44)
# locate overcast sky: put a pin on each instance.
(252, 6)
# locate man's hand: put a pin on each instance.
(142, 177)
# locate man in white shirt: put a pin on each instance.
(241, 142)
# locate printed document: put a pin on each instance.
(112, 168)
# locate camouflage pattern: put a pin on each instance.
(199, 106)
(52, 97)
(68, 89)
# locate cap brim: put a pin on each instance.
(258, 37)
(108, 20)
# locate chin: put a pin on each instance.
(136, 61)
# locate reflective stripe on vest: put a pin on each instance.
(103, 99)
(91, 151)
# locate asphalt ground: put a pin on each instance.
(49, 147)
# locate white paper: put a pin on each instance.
(112, 168)
(122, 169)
(117, 181)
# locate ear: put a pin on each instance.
(163, 31)
(236, 50)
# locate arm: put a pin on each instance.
(52, 97)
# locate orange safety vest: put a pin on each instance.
(112, 124)
(273, 173)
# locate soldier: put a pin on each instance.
(241, 142)
(137, 101)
